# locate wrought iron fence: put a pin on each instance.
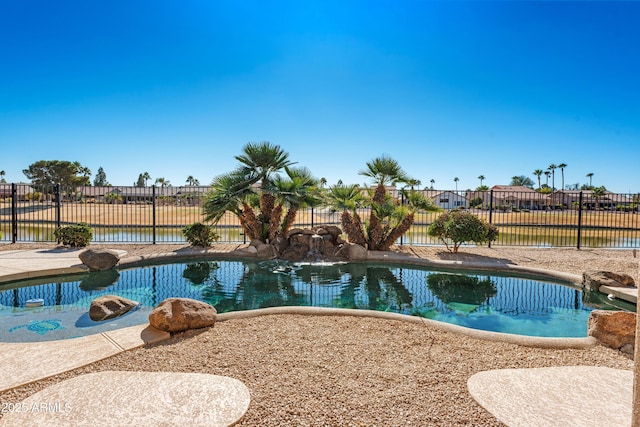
(157, 214)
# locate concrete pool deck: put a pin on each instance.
(531, 388)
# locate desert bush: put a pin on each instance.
(198, 234)
(460, 227)
(75, 235)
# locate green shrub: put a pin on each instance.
(76, 235)
(459, 227)
(198, 234)
(475, 203)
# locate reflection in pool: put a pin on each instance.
(474, 300)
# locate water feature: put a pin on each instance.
(489, 302)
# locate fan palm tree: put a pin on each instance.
(538, 173)
(552, 168)
(163, 182)
(456, 179)
(192, 181)
(547, 174)
(590, 176)
(598, 193)
(260, 162)
(481, 178)
(146, 177)
(562, 166)
(347, 199)
(433, 181)
(2, 174)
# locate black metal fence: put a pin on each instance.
(157, 215)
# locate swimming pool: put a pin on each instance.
(475, 300)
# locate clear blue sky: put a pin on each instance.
(447, 88)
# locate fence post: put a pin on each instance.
(490, 210)
(153, 213)
(58, 205)
(311, 216)
(14, 213)
(579, 219)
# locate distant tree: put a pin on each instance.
(456, 179)
(481, 178)
(552, 168)
(433, 181)
(146, 177)
(562, 166)
(538, 173)
(547, 174)
(590, 176)
(597, 194)
(522, 181)
(482, 188)
(323, 182)
(140, 182)
(412, 183)
(163, 182)
(2, 174)
(192, 181)
(46, 173)
(101, 178)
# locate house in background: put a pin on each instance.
(447, 199)
(513, 196)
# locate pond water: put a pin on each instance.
(474, 300)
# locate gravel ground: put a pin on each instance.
(349, 371)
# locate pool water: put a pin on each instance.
(474, 300)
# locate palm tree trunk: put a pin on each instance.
(398, 231)
(267, 203)
(289, 219)
(353, 228)
(253, 226)
(274, 221)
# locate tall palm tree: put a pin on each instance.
(481, 178)
(163, 182)
(538, 173)
(590, 176)
(2, 174)
(414, 183)
(323, 182)
(146, 177)
(192, 181)
(456, 179)
(546, 174)
(562, 166)
(552, 168)
(433, 181)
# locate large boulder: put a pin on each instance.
(98, 259)
(615, 329)
(593, 279)
(109, 307)
(181, 314)
(354, 252)
(266, 251)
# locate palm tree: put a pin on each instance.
(259, 162)
(433, 181)
(347, 199)
(552, 167)
(298, 190)
(146, 177)
(456, 179)
(562, 166)
(192, 181)
(481, 178)
(414, 183)
(590, 176)
(323, 182)
(597, 193)
(538, 173)
(546, 174)
(163, 182)
(2, 174)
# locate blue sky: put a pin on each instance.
(447, 88)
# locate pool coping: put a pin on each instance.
(21, 358)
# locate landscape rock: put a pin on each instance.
(615, 329)
(109, 307)
(593, 279)
(266, 251)
(181, 314)
(98, 259)
(354, 252)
